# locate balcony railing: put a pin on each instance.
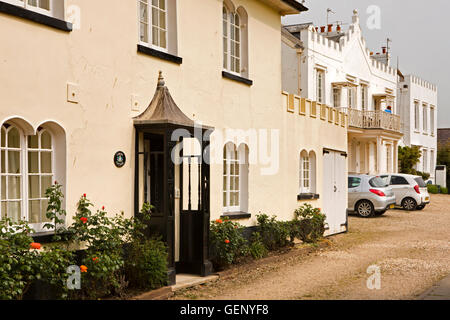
(372, 119)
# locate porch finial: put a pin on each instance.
(161, 82)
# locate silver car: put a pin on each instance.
(410, 191)
(369, 196)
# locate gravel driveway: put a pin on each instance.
(410, 249)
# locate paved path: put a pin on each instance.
(440, 291)
(410, 251)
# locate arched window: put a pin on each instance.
(29, 163)
(307, 172)
(40, 174)
(11, 172)
(235, 178)
(235, 39)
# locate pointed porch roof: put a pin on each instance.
(163, 109)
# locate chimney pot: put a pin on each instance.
(384, 49)
(330, 28)
(322, 29)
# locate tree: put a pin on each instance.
(408, 157)
(443, 157)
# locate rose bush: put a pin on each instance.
(227, 244)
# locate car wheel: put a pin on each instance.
(380, 213)
(409, 204)
(421, 207)
(365, 209)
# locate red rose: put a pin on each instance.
(83, 268)
(35, 246)
(95, 259)
(83, 219)
(227, 241)
(103, 208)
(219, 221)
(84, 195)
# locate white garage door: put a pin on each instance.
(335, 191)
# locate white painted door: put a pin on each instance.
(335, 191)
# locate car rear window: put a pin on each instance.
(377, 182)
(420, 182)
(353, 182)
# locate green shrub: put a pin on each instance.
(274, 234)
(425, 176)
(257, 248)
(21, 266)
(309, 223)
(444, 190)
(433, 189)
(146, 264)
(227, 244)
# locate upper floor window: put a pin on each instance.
(153, 22)
(235, 39)
(158, 25)
(351, 96)
(416, 115)
(337, 97)
(54, 8)
(425, 118)
(432, 120)
(320, 85)
(364, 96)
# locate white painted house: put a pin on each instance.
(335, 68)
(417, 100)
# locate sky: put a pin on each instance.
(418, 30)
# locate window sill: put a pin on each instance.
(17, 11)
(236, 215)
(308, 196)
(234, 77)
(159, 54)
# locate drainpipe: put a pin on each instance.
(299, 73)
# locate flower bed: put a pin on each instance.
(118, 257)
(228, 245)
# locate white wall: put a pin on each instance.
(415, 89)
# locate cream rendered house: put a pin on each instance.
(336, 69)
(212, 135)
(417, 100)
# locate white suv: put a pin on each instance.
(410, 191)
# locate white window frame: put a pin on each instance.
(364, 97)
(337, 97)
(229, 28)
(432, 120)
(24, 4)
(149, 24)
(7, 175)
(230, 151)
(417, 115)
(425, 160)
(425, 118)
(351, 97)
(305, 174)
(24, 175)
(320, 85)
